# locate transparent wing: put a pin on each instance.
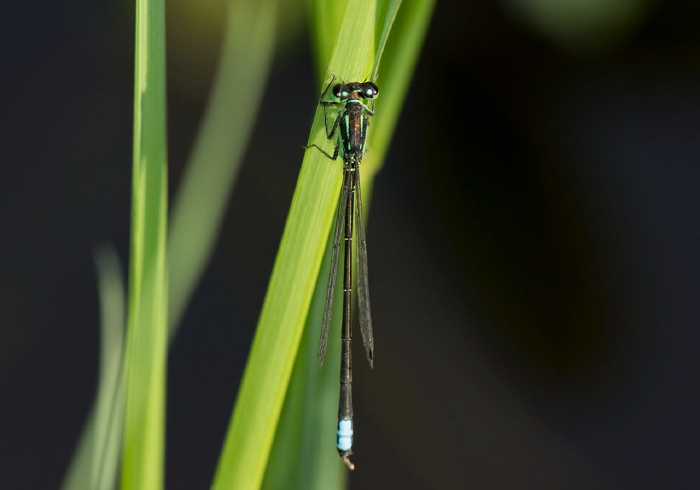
(330, 291)
(362, 284)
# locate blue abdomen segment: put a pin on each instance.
(344, 435)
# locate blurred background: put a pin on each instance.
(533, 243)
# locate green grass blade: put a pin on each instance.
(249, 439)
(397, 67)
(324, 19)
(279, 329)
(206, 185)
(229, 119)
(317, 465)
(146, 346)
(95, 464)
(304, 455)
(388, 10)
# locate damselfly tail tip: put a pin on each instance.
(348, 463)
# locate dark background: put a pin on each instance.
(533, 247)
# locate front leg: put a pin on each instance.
(367, 110)
(325, 91)
(330, 133)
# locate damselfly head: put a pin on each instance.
(354, 90)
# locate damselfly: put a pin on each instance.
(351, 122)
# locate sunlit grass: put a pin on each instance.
(146, 337)
(349, 38)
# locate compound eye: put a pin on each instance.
(370, 90)
(340, 92)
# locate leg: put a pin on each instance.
(325, 91)
(335, 153)
(331, 133)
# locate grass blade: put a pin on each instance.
(311, 405)
(95, 464)
(398, 64)
(146, 347)
(197, 212)
(211, 172)
(249, 439)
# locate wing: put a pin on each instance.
(330, 291)
(362, 283)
